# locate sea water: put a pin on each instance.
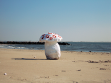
(74, 46)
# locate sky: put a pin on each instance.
(74, 20)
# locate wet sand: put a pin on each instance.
(31, 66)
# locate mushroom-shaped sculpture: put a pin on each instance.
(52, 48)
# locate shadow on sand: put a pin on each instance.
(27, 59)
(30, 59)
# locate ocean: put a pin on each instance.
(74, 46)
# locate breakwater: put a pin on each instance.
(28, 42)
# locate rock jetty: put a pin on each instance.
(28, 42)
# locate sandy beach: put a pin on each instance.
(31, 66)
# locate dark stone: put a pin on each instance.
(79, 70)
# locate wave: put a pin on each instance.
(74, 46)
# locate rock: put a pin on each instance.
(5, 73)
(79, 70)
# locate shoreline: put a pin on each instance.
(61, 50)
(80, 47)
(31, 66)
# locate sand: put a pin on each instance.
(31, 66)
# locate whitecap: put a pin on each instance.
(20, 47)
(11, 47)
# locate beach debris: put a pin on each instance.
(92, 61)
(108, 53)
(79, 70)
(52, 48)
(106, 65)
(63, 71)
(44, 76)
(107, 61)
(102, 68)
(5, 73)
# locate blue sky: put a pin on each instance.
(74, 20)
